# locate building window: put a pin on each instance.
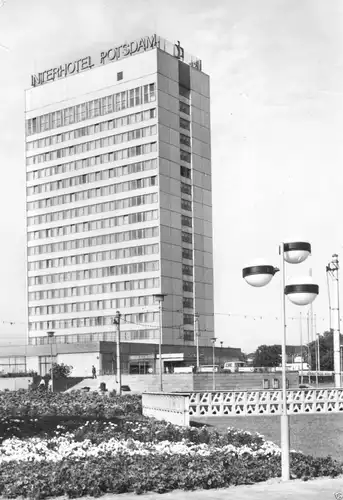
(185, 172)
(13, 364)
(186, 221)
(188, 319)
(120, 75)
(188, 335)
(140, 367)
(187, 286)
(186, 205)
(185, 156)
(187, 253)
(185, 124)
(188, 270)
(45, 364)
(276, 383)
(187, 302)
(185, 108)
(186, 188)
(184, 92)
(187, 237)
(265, 384)
(185, 139)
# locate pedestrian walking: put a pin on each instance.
(93, 371)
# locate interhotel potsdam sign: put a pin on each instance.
(114, 54)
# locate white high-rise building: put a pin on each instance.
(119, 207)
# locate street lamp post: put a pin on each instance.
(301, 291)
(332, 270)
(213, 340)
(159, 297)
(197, 334)
(51, 336)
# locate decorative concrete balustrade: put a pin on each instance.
(179, 408)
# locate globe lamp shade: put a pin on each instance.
(259, 274)
(296, 252)
(302, 291)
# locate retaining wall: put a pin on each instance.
(15, 383)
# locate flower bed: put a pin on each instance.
(35, 403)
(103, 457)
(48, 448)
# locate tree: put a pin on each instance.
(61, 370)
(325, 350)
(267, 355)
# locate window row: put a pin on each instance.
(136, 318)
(141, 166)
(186, 237)
(96, 128)
(109, 206)
(93, 305)
(188, 270)
(69, 182)
(186, 188)
(130, 152)
(95, 337)
(187, 302)
(187, 286)
(186, 205)
(73, 260)
(92, 109)
(102, 272)
(186, 221)
(85, 147)
(80, 291)
(104, 239)
(94, 225)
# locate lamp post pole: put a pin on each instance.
(196, 332)
(159, 297)
(117, 323)
(213, 363)
(51, 336)
(301, 349)
(284, 416)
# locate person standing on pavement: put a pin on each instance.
(93, 371)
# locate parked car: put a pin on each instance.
(208, 368)
(233, 366)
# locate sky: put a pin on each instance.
(276, 69)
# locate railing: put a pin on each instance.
(171, 407)
(242, 403)
(179, 408)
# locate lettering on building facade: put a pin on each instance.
(129, 49)
(114, 54)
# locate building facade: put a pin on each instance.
(119, 205)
